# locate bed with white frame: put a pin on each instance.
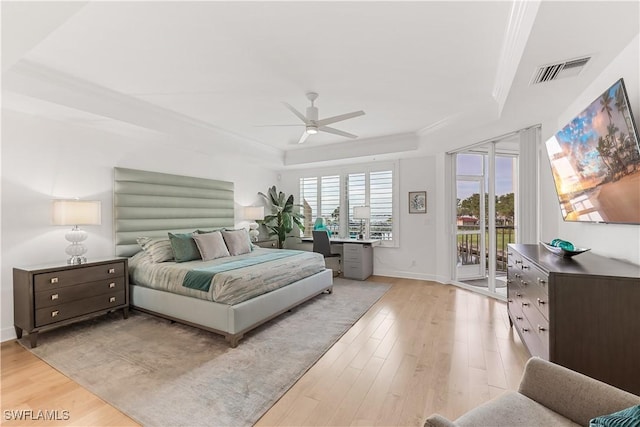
(151, 204)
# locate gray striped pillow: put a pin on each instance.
(159, 249)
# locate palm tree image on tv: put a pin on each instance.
(595, 162)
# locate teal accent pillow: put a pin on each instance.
(184, 247)
(629, 417)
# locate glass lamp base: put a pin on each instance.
(76, 260)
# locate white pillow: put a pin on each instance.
(211, 245)
(237, 241)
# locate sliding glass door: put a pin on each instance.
(486, 186)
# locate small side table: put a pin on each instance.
(269, 243)
(49, 296)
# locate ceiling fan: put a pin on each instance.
(313, 125)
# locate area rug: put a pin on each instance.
(167, 374)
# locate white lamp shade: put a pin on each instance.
(361, 212)
(254, 212)
(76, 212)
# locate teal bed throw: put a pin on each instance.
(201, 278)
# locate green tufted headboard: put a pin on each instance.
(152, 204)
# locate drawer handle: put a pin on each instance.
(509, 280)
(525, 329)
(54, 313)
(509, 300)
(525, 267)
(518, 262)
(518, 317)
(509, 266)
(111, 271)
(524, 282)
(541, 281)
(525, 304)
(518, 275)
(510, 253)
(54, 297)
(541, 328)
(541, 302)
(112, 285)
(54, 280)
(112, 299)
(518, 294)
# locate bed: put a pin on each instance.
(150, 205)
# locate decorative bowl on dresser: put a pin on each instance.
(49, 296)
(581, 312)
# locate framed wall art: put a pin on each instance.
(417, 202)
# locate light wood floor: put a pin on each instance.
(422, 348)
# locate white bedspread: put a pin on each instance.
(228, 287)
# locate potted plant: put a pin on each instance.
(283, 215)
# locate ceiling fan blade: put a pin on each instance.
(339, 118)
(296, 112)
(336, 132)
(303, 137)
(267, 126)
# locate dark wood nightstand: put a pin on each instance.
(49, 296)
(268, 243)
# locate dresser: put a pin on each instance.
(49, 296)
(582, 312)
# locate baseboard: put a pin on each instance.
(7, 334)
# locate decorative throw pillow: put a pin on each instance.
(211, 245)
(629, 417)
(159, 249)
(237, 241)
(184, 247)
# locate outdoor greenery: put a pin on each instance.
(505, 210)
(284, 215)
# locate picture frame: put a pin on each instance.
(417, 202)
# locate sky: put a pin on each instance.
(471, 164)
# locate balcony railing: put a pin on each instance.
(469, 246)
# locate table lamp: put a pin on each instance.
(363, 213)
(254, 213)
(76, 213)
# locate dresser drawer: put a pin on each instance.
(58, 313)
(58, 279)
(63, 295)
(540, 327)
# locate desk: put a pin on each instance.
(357, 256)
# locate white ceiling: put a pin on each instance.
(425, 69)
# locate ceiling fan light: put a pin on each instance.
(312, 130)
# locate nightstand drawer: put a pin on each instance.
(49, 315)
(67, 294)
(75, 276)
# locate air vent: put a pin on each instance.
(559, 71)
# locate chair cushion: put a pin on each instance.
(512, 409)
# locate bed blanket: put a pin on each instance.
(228, 287)
(201, 278)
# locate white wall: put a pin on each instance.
(416, 255)
(613, 240)
(43, 159)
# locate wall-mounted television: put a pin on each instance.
(595, 162)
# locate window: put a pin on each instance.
(309, 197)
(333, 194)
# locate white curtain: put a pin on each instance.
(528, 200)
